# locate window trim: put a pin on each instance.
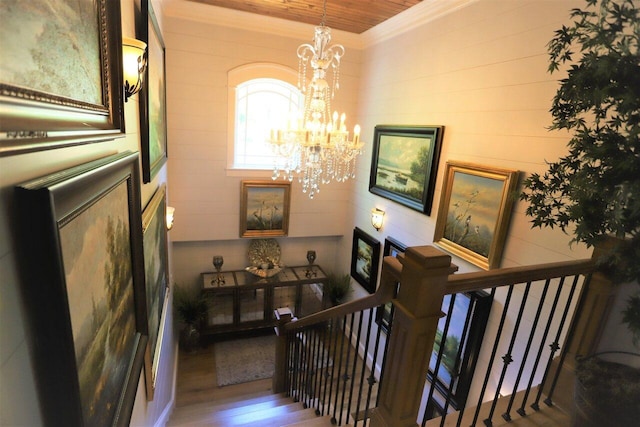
(240, 75)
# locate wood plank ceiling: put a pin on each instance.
(355, 16)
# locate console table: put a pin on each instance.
(245, 301)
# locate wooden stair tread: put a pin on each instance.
(547, 416)
(229, 408)
(316, 422)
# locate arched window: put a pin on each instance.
(261, 100)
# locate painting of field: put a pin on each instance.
(98, 265)
(364, 260)
(473, 211)
(403, 164)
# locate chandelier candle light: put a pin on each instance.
(315, 145)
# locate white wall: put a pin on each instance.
(18, 395)
(480, 72)
(205, 193)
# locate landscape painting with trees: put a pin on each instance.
(404, 164)
(99, 282)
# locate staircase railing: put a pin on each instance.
(338, 363)
(332, 360)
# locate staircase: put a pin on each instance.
(262, 409)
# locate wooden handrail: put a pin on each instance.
(465, 282)
(383, 295)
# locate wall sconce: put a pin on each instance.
(134, 63)
(377, 216)
(170, 212)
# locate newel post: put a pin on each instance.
(279, 384)
(417, 311)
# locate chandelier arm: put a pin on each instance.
(317, 149)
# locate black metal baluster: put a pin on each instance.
(346, 369)
(555, 346)
(364, 365)
(314, 369)
(521, 411)
(328, 379)
(493, 354)
(507, 415)
(353, 369)
(386, 351)
(305, 368)
(308, 367)
(334, 420)
(372, 378)
(320, 367)
(507, 358)
(297, 364)
(291, 357)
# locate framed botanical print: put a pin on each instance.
(264, 208)
(153, 97)
(156, 268)
(405, 163)
(45, 106)
(82, 278)
(365, 259)
(474, 213)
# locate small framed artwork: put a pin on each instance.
(474, 213)
(83, 277)
(156, 269)
(153, 109)
(365, 259)
(404, 164)
(384, 313)
(458, 340)
(264, 209)
(44, 105)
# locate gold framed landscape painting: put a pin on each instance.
(264, 209)
(475, 208)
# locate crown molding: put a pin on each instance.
(423, 12)
(409, 19)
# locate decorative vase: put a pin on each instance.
(190, 338)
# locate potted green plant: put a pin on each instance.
(596, 187)
(594, 191)
(336, 287)
(191, 309)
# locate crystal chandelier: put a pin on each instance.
(315, 145)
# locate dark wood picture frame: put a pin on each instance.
(80, 244)
(153, 97)
(56, 115)
(365, 259)
(264, 208)
(384, 313)
(467, 315)
(474, 212)
(156, 267)
(404, 164)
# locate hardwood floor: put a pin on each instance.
(196, 382)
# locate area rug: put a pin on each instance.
(244, 360)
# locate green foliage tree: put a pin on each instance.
(595, 188)
(420, 166)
